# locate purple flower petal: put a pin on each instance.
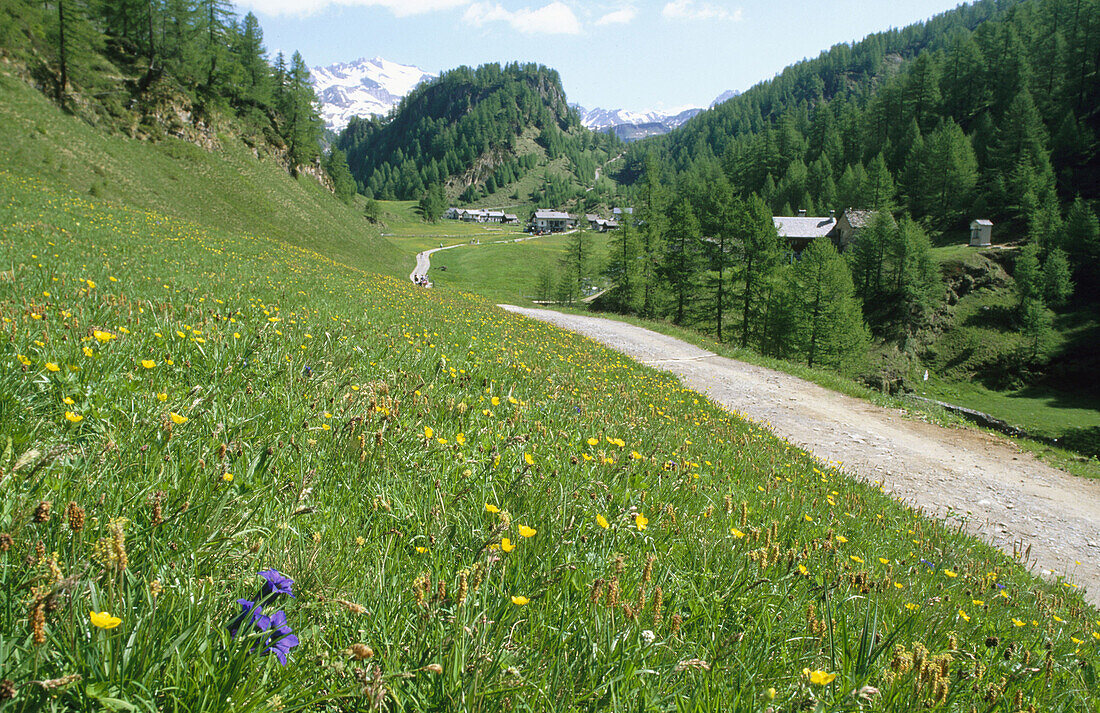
(275, 582)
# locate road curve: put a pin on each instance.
(1001, 494)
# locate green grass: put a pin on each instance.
(229, 189)
(408, 232)
(510, 272)
(335, 399)
(1040, 411)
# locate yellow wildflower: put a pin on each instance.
(104, 620)
(520, 601)
(641, 521)
(178, 419)
(602, 521)
(73, 417)
(527, 531)
(818, 678)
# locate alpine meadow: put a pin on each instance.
(247, 464)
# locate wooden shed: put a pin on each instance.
(981, 233)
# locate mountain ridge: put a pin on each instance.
(363, 88)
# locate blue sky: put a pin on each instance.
(645, 54)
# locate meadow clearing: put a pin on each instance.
(438, 506)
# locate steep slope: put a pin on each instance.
(468, 131)
(364, 88)
(232, 187)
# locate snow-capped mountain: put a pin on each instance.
(724, 96)
(364, 87)
(598, 119)
(634, 125)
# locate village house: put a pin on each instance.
(478, 215)
(849, 225)
(552, 221)
(801, 230)
(599, 224)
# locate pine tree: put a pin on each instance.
(948, 176)
(575, 262)
(1082, 244)
(622, 268)
(1028, 275)
(653, 224)
(336, 166)
(878, 189)
(1057, 282)
(830, 329)
(1018, 158)
(868, 256)
(682, 265)
(759, 258)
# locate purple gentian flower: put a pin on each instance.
(283, 638)
(249, 610)
(275, 582)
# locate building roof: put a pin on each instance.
(509, 216)
(591, 217)
(981, 221)
(545, 214)
(859, 218)
(803, 227)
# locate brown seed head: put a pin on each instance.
(42, 512)
(361, 651)
(75, 515)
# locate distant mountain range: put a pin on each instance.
(372, 87)
(635, 125)
(365, 87)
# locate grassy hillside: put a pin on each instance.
(229, 189)
(478, 512)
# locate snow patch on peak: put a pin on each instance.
(365, 87)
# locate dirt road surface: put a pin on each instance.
(1003, 495)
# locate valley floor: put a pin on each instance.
(996, 491)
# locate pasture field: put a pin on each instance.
(403, 226)
(478, 512)
(511, 272)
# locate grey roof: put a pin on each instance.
(803, 227)
(981, 221)
(591, 217)
(551, 214)
(510, 216)
(859, 218)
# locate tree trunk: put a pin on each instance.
(62, 52)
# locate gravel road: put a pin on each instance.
(1002, 494)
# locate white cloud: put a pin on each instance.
(618, 17)
(691, 10)
(553, 19)
(400, 8)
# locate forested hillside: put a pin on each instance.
(477, 131)
(990, 109)
(155, 69)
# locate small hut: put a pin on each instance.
(981, 233)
